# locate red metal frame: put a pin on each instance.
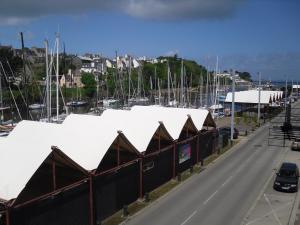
(141, 177)
(174, 159)
(57, 191)
(7, 217)
(159, 141)
(54, 174)
(116, 168)
(118, 153)
(197, 149)
(91, 200)
(186, 140)
(158, 151)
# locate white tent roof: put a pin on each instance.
(198, 115)
(218, 106)
(21, 154)
(296, 86)
(173, 119)
(251, 96)
(138, 128)
(80, 137)
(88, 139)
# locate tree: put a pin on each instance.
(89, 83)
(244, 75)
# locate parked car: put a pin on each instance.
(296, 144)
(287, 178)
(227, 130)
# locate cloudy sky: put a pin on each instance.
(247, 35)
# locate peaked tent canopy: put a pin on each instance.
(89, 138)
(251, 96)
(24, 152)
(200, 117)
(138, 129)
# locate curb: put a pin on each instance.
(280, 160)
(219, 158)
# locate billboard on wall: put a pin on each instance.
(184, 153)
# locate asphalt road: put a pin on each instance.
(221, 194)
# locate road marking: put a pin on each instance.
(272, 210)
(210, 197)
(226, 181)
(269, 213)
(187, 219)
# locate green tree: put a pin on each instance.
(245, 76)
(89, 83)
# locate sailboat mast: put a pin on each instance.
(201, 89)
(129, 78)
(206, 89)
(215, 86)
(159, 92)
(57, 76)
(25, 76)
(139, 84)
(155, 80)
(181, 83)
(169, 94)
(48, 80)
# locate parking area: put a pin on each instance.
(273, 207)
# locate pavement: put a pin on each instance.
(224, 192)
(273, 207)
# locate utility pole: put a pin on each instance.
(285, 98)
(232, 105)
(259, 96)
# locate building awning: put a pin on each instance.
(252, 96)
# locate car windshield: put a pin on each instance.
(287, 173)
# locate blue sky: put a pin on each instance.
(247, 35)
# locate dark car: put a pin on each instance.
(287, 178)
(296, 144)
(227, 131)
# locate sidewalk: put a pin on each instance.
(273, 207)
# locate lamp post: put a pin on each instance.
(232, 105)
(259, 94)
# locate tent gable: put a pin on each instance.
(56, 171)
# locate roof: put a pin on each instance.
(87, 139)
(296, 86)
(82, 138)
(198, 116)
(22, 152)
(174, 120)
(217, 106)
(85, 58)
(288, 166)
(251, 96)
(138, 128)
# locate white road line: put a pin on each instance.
(227, 181)
(272, 210)
(187, 219)
(210, 197)
(268, 214)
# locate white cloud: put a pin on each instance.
(12, 21)
(15, 11)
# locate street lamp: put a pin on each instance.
(232, 105)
